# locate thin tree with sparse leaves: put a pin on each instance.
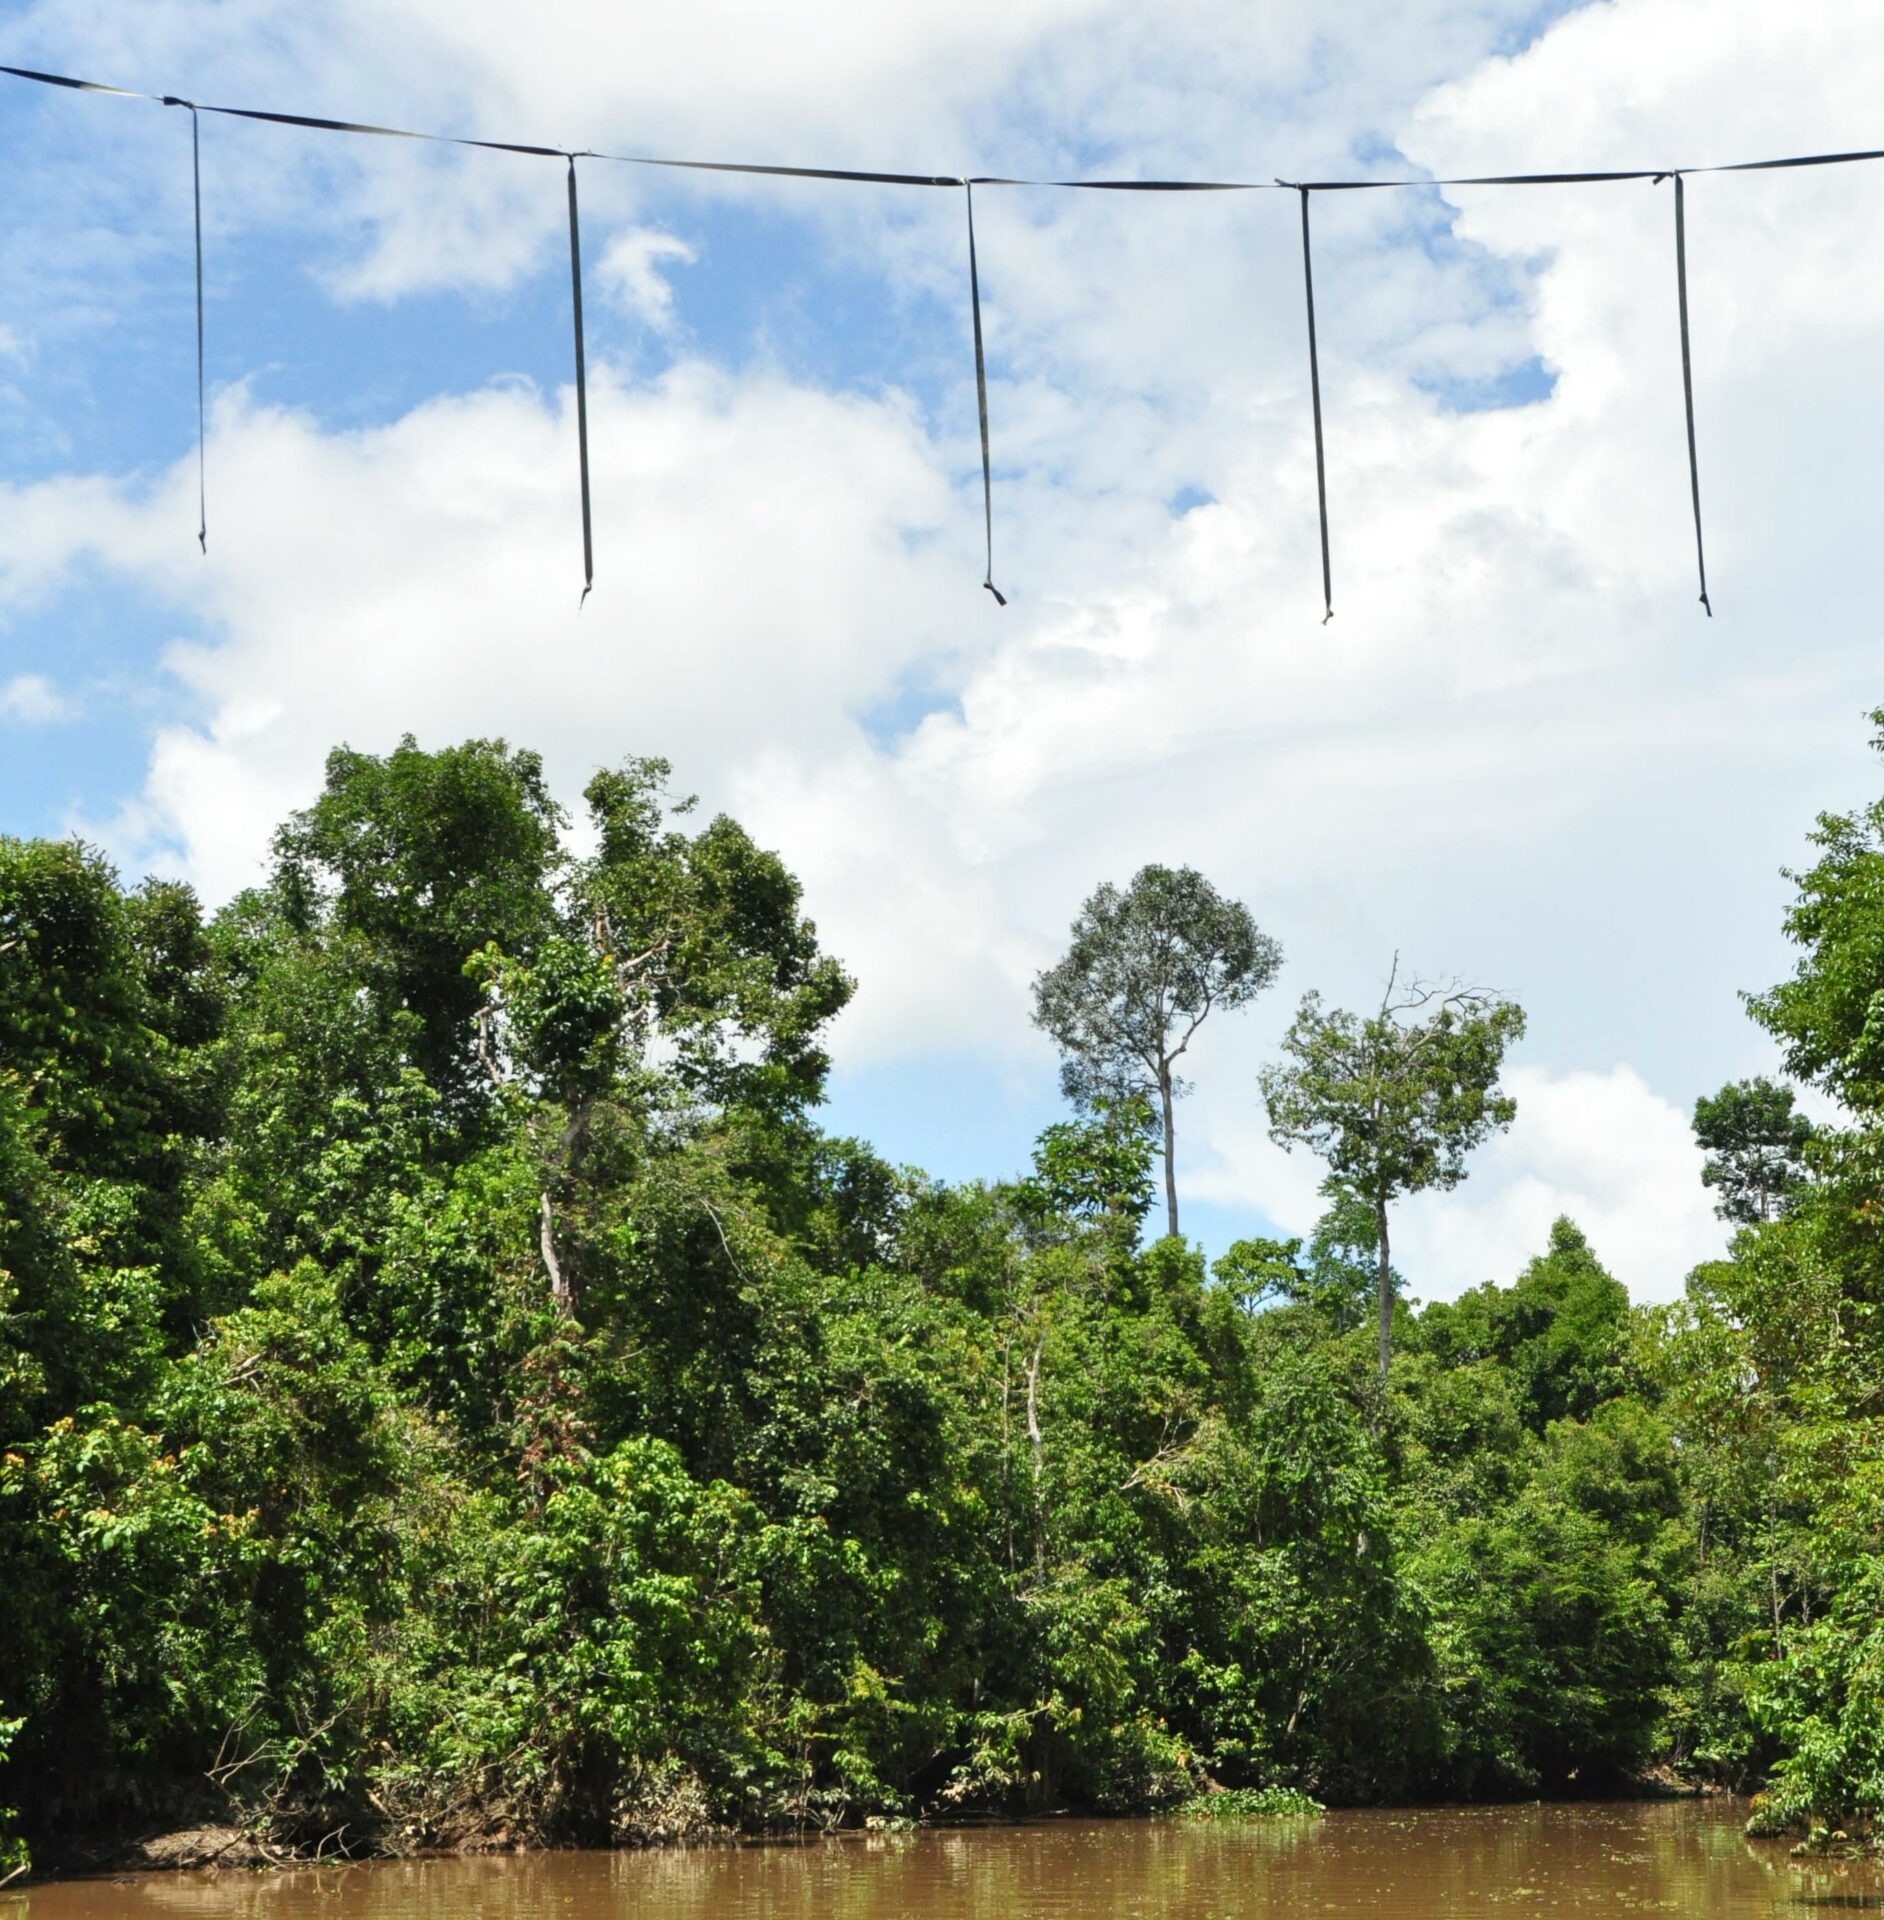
(1394, 1101)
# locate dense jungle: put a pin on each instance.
(453, 1392)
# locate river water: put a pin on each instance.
(1684, 1858)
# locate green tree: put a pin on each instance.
(1393, 1101)
(419, 860)
(1559, 1330)
(1342, 1280)
(1556, 1642)
(825, 1489)
(1824, 1016)
(110, 1085)
(1756, 1142)
(708, 943)
(1334, 1282)
(15, 1856)
(1774, 1364)
(1095, 1169)
(1261, 1272)
(695, 943)
(1146, 968)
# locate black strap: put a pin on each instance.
(1583, 177)
(315, 121)
(202, 437)
(1314, 394)
(1687, 383)
(196, 202)
(320, 125)
(1125, 186)
(968, 184)
(582, 382)
(981, 401)
(788, 173)
(77, 86)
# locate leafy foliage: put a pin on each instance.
(1253, 1803)
(1393, 1101)
(452, 1392)
(1147, 966)
(1756, 1145)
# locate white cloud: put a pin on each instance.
(1603, 1148)
(630, 271)
(435, 221)
(1519, 751)
(33, 699)
(1599, 1145)
(426, 575)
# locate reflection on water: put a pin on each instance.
(1682, 1858)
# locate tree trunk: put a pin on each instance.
(1386, 1292)
(1037, 1442)
(560, 1290)
(1170, 1155)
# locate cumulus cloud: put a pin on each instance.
(1603, 1148)
(1519, 751)
(427, 576)
(1599, 1145)
(32, 699)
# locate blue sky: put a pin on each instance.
(1518, 754)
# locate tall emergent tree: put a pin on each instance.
(1146, 967)
(1394, 1101)
(1755, 1141)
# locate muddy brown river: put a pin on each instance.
(1684, 1858)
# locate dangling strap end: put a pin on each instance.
(981, 401)
(202, 405)
(1314, 391)
(582, 384)
(1687, 385)
(583, 601)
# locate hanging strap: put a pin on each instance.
(582, 383)
(1687, 384)
(202, 434)
(1314, 394)
(196, 201)
(1303, 188)
(981, 402)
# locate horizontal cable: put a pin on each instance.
(871, 177)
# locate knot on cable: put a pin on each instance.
(1000, 599)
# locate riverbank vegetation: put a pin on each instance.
(452, 1391)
